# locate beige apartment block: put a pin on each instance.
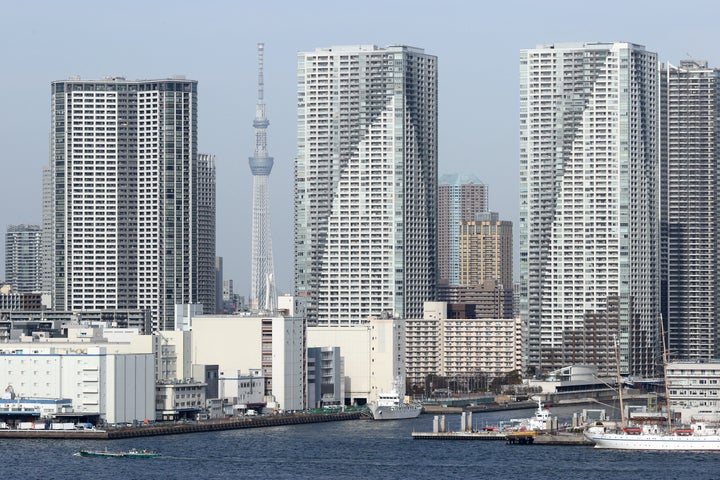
(461, 347)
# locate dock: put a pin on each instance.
(545, 438)
(458, 436)
(511, 438)
(466, 431)
(182, 428)
(521, 438)
(563, 438)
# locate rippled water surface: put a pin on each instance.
(346, 450)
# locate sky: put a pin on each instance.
(215, 42)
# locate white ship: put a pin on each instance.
(389, 407)
(697, 437)
(540, 422)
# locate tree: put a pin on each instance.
(510, 378)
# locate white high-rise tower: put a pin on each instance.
(589, 245)
(366, 183)
(262, 286)
(133, 210)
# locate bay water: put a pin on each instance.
(358, 449)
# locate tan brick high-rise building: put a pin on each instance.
(486, 250)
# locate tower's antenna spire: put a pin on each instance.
(261, 122)
(262, 288)
(261, 80)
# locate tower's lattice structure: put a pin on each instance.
(262, 286)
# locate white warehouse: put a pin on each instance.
(118, 387)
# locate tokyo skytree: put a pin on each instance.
(262, 287)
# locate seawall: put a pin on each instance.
(183, 428)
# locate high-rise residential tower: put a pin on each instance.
(23, 258)
(486, 250)
(366, 182)
(588, 206)
(485, 266)
(460, 197)
(134, 202)
(262, 281)
(47, 232)
(202, 255)
(690, 159)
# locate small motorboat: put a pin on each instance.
(132, 453)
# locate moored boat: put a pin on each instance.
(697, 437)
(541, 421)
(132, 453)
(389, 407)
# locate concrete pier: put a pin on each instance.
(511, 438)
(458, 436)
(182, 428)
(539, 438)
(522, 437)
(571, 439)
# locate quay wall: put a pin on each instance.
(182, 428)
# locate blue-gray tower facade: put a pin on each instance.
(262, 286)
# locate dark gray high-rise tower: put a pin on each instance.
(262, 286)
(690, 111)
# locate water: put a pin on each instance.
(346, 450)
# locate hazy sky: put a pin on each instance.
(214, 42)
